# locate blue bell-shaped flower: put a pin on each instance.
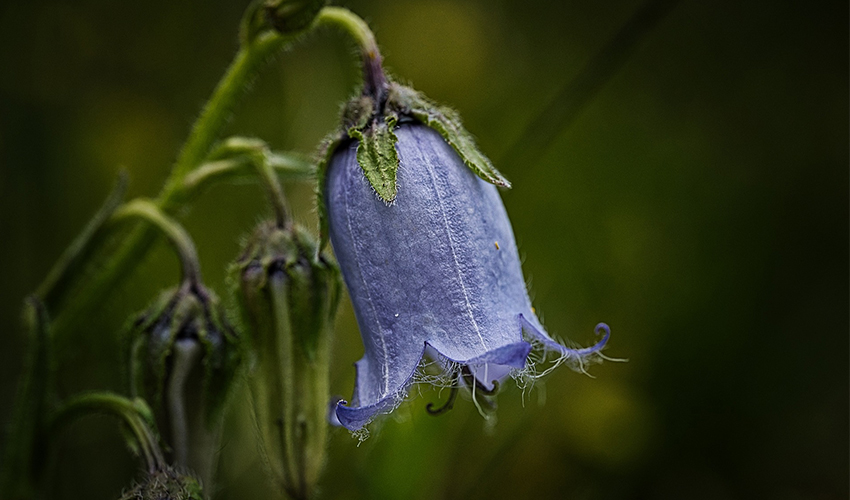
(436, 269)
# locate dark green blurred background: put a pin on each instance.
(699, 205)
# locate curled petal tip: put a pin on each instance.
(331, 416)
(604, 330)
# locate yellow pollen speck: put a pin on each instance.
(533, 310)
(497, 244)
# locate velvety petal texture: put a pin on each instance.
(437, 268)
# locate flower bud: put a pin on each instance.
(165, 484)
(288, 295)
(183, 360)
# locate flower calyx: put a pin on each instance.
(371, 120)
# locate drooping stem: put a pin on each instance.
(134, 413)
(258, 154)
(275, 192)
(117, 265)
(374, 80)
(179, 238)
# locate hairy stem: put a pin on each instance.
(374, 80)
(120, 261)
(179, 238)
(286, 166)
(274, 191)
(132, 412)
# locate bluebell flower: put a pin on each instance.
(437, 269)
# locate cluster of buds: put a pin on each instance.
(426, 250)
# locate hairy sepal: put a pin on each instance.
(446, 121)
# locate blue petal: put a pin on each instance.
(439, 267)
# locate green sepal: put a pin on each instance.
(407, 101)
(377, 156)
(329, 145)
(311, 277)
(150, 338)
(358, 112)
(222, 357)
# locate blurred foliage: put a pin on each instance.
(698, 204)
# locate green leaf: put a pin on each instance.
(447, 122)
(377, 156)
(73, 263)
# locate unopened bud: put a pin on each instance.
(288, 295)
(183, 360)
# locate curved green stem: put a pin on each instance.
(218, 109)
(179, 238)
(274, 190)
(286, 166)
(258, 153)
(134, 413)
(353, 24)
(118, 264)
(374, 80)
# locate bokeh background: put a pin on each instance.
(698, 204)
